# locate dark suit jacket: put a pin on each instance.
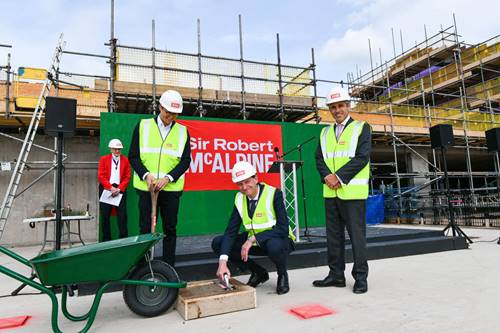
(358, 162)
(135, 156)
(104, 172)
(280, 230)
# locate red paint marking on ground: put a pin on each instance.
(311, 311)
(13, 321)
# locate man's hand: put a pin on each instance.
(115, 191)
(332, 181)
(150, 180)
(245, 248)
(223, 270)
(161, 183)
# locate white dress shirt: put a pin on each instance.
(164, 130)
(225, 257)
(114, 178)
(338, 134)
(339, 128)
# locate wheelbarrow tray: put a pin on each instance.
(100, 262)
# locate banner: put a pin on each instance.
(217, 146)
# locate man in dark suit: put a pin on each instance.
(260, 209)
(160, 154)
(114, 175)
(343, 161)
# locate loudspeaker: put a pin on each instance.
(442, 136)
(60, 116)
(493, 139)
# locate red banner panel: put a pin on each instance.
(217, 146)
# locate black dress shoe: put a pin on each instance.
(360, 287)
(329, 281)
(282, 287)
(257, 278)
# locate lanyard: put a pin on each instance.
(116, 163)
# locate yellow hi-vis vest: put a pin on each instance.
(160, 156)
(264, 216)
(337, 154)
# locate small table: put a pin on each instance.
(66, 222)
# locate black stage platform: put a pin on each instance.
(195, 260)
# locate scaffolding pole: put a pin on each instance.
(154, 106)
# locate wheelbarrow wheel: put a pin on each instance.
(151, 301)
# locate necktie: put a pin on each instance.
(251, 208)
(338, 131)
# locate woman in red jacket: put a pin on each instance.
(114, 176)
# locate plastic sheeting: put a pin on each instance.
(375, 209)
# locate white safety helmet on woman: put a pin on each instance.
(337, 95)
(115, 143)
(242, 170)
(171, 100)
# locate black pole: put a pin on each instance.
(315, 84)
(448, 192)
(306, 231)
(457, 231)
(59, 190)
(280, 79)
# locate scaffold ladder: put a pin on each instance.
(15, 179)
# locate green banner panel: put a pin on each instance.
(207, 212)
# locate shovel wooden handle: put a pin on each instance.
(154, 199)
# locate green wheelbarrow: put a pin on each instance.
(150, 287)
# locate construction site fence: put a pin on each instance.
(478, 208)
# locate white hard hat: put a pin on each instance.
(172, 101)
(336, 95)
(115, 143)
(242, 170)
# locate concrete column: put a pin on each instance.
(80, 187)
(417, 164)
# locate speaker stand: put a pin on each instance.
(456, 230)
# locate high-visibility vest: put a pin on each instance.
(337, 154)
(160, 156)
(264, 216)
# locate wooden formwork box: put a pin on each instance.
(205, 298)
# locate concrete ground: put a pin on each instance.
(455, 291)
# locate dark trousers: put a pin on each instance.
(105, 210)
(350, 214)
(277, 249)
(167, 208)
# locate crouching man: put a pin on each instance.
(261, 210)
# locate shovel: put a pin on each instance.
(154, 200)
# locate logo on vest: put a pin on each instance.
(258, 215)
(168, 145)
(341, 142)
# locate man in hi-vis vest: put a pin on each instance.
(260, 209)
(160, 154)
(343, 161)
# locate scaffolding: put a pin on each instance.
(441, 80)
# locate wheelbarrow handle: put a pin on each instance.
(15, 256)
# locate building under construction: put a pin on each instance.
(440, 80)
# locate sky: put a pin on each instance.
(338, 30)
